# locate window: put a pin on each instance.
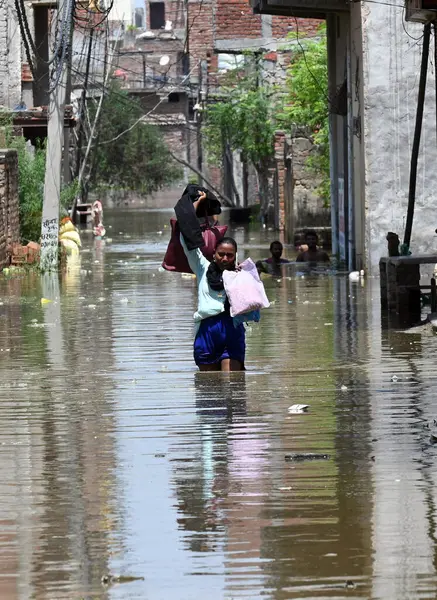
(173, 97)
(229, 62)
(139, 18)
(157, 15)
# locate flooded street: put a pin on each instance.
(118, 457)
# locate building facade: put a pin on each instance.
(175, 65)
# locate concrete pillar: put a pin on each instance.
(338, 32)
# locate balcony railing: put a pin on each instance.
(156, 82)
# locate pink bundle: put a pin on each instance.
(244, 289)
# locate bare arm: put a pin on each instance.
(202, 197)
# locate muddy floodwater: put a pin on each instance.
(118, 459)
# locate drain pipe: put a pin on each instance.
(416, 140)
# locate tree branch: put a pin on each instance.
(226, 201)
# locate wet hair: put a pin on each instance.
(276, 243)
(311, 232)
(228, 240)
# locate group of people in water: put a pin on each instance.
(309, 252)
(219, 343)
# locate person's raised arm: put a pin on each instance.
(202, 198)
(198, 263)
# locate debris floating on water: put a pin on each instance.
(298, 457)
(298, 408)
(110, 579)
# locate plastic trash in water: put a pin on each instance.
(298, 408)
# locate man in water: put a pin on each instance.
(272, 264)
(313, 254)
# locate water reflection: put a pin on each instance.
(117, 456)
(205, 481)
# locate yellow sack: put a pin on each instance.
(71, 235)
(69, 246)
(67, 226)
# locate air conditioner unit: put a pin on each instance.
(420, 11)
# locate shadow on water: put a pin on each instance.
(118, 457)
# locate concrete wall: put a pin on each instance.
(309, 207)
(9, 204)
(10, 56)
(123, 11)
(296, 201)
(391, 65)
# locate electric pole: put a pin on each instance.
(55, 137)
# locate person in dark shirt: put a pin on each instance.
(313, 254)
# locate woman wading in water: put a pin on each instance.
(220, 343)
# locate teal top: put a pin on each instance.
(209, 302)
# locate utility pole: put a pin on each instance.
(55, 136)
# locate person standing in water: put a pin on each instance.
(274, 263)
(97, 217)
(220, 343)
(313, 254)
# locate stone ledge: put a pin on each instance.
(414, 259)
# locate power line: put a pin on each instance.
(138, 120)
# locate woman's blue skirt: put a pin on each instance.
(218, 339)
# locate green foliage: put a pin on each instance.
(31, 173)
(307, 101)
(193, 178)
(68, 194)
(137, 160)
(242, 119)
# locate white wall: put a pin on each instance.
(123, 10)
(391, 66)
(10, 57)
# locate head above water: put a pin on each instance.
(276, 249)
(226, 253)
(311, 239)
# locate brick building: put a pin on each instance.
(173, 65)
